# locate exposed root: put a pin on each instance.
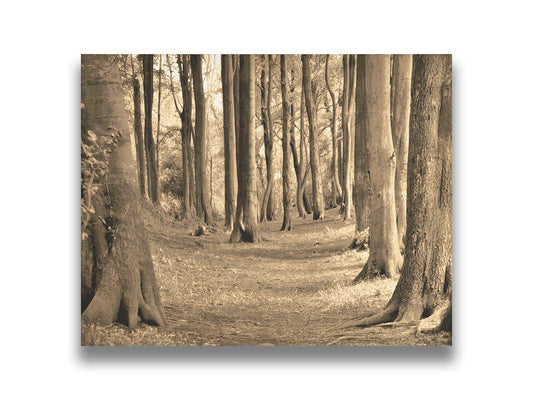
(387, 315)
(441, 319)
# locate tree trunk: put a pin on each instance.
(336, 186)
(187, 128)
(151, 162)
(158, 111)
(266, 116)
(425, 285)
(348, 101)
(385, 257)
(287, 221)
(316, 171)
(299, 167)
(362, 174)
(230, 160)
(138, 128)
(245, 228)
(203, 209)
(401, 105)
(118, 280)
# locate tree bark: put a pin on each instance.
(287, 221)
(336, 186)
(230, 160)
(385, 257)
(348, 104)
(203, 209)
(245, 228)
(401, 105)
(425, 285)
(316, 171)
(151, 162)
(118, 280)
(362, 172)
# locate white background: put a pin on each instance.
(39, 164)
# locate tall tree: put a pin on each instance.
(268, 137)
(425, 285)
(385, 257)
(230, 157)
(287, 221)
(158, 109)
(348, 104)
(138, 129)
(117, 271)
(316, 171)
(300, 167)
(362, 175)
(336, 186)
(203, 207)
(401, 105)
(187, 132)
(245, 228)
(151, 162)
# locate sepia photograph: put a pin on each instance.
(266, 200)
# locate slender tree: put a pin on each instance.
(203, 205)
(300, 167)
(423, 293)
(287, 221)
(117, 272)
(336, 186)
(362, 175)
(385, 257)
(348, 101)
(151, 161)
(245, 228)
(158, 110)
(268, 137)
(230, 158)
(187, 131)
(401, 102)
(316, 172)
(138, 129)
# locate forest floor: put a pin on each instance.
(288, 289)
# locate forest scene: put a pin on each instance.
(266, 200)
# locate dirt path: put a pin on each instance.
(286, 290)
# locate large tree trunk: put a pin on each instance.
(336, 186)
(287, 221)
(385, 257)
(425, 285)
(230, 160)
(203, 207)
(316, 171)
(151, 161)
(245, 228)
(266, 120)
(401, 105)
(118, 277)
(362, 173)
(348, 101)
(138, 128)
(187, 131)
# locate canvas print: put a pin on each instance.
(266, 200)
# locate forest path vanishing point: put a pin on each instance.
(287, 289)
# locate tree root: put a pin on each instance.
(441, 319)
